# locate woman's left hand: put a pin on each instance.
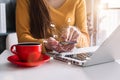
(71, 34)
(51, 43)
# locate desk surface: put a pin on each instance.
(57, 70)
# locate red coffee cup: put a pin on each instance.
(27, 51)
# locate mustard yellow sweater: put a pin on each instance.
(73, 9)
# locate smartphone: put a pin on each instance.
(67, 42)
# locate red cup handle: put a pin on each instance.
(12, 49)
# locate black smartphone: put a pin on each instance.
(67, 42)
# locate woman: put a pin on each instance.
(35, 21)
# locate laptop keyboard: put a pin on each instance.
(77, 59)
(81, 56)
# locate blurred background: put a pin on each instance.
(103, 19)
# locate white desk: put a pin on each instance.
(57, 70)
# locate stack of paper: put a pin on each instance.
(2, 18)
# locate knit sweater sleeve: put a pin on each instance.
(81, 23)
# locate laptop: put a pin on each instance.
(108, 51)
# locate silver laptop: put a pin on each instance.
(108, 51)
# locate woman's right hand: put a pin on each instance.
(64, 48)
(51, 43)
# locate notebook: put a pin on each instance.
(108, 51)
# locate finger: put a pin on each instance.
(71, 31)
(75, 36)
(68, 33)
(63, 37)
(64, 34)
(52, 41)
(48, 46)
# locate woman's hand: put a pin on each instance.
(64, 48)
(68, 38)
(51, 43)
(70, 34)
